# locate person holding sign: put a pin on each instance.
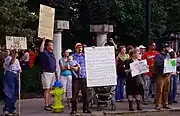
(12, 69)
(162, 79)
(79, 83)
(133, 84)
(48, 71)
(173, 82)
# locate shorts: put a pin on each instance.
(47, 80)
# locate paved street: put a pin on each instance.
(34, 107)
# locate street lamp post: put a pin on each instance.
(148, 21)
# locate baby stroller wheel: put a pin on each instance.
(79, 98)
(113, 107)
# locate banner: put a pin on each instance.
(100, 66)
(139, 67)
(170, 66)
(46, 22)
(19, 43)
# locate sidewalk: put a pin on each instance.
(34, 107)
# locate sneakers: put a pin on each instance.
(73, 112)
(6, 113)
(85, 111)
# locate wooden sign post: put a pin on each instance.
(18, 43)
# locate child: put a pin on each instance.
(73, 63)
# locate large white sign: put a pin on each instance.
(139, 67)
(46, 22)
(100, 66)
(13, 42)
(170, 66)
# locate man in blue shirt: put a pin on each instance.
(79, 83)
(162, 79)
(48, 71)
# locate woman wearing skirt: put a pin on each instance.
(133, 84)
(10, 82)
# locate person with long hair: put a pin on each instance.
(120, 59)
(149, 77)
(133, 84)
(12, 69)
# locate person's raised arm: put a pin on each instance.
(42, 45)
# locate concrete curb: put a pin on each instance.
(125, 113)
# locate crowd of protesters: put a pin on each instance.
(162, 87)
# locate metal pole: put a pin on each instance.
(148, 21)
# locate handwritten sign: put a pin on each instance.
(46, 22)
(16, 42)
(170, 66)
(100, 66)
(139, 67)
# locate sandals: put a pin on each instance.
(47, 108)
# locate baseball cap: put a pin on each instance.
(78, 44)
(141, 47)
(165, 45)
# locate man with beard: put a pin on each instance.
(149, 77)
(162, 79)
(79, 83)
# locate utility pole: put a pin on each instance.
(148, 21)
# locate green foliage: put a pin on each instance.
(14, 17)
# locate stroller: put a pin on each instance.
(102, 96)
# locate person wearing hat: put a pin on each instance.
(162, 79)
(12, 71)
(79, 83)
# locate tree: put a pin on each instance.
(15, 19)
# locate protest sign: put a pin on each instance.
(100, 66)
(139, 67)
(46, 22)
(170, 66)
(19, 43)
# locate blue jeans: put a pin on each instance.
(173, 88)
(120, 87)
(9, 104)
(146, 87)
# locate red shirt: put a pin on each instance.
(32, 57)
(149, 56)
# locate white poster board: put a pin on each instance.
(139, 67)
(19, 43)
(170, 66)
(100, 66)
(46, 22)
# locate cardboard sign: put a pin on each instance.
(139, 67)
(170, 66)
(19, 43)
(100, 66)
(46, 22)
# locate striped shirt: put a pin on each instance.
(80, 59)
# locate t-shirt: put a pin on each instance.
(14, 67)
(64, 73)
(149, 56)
(47, 61)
